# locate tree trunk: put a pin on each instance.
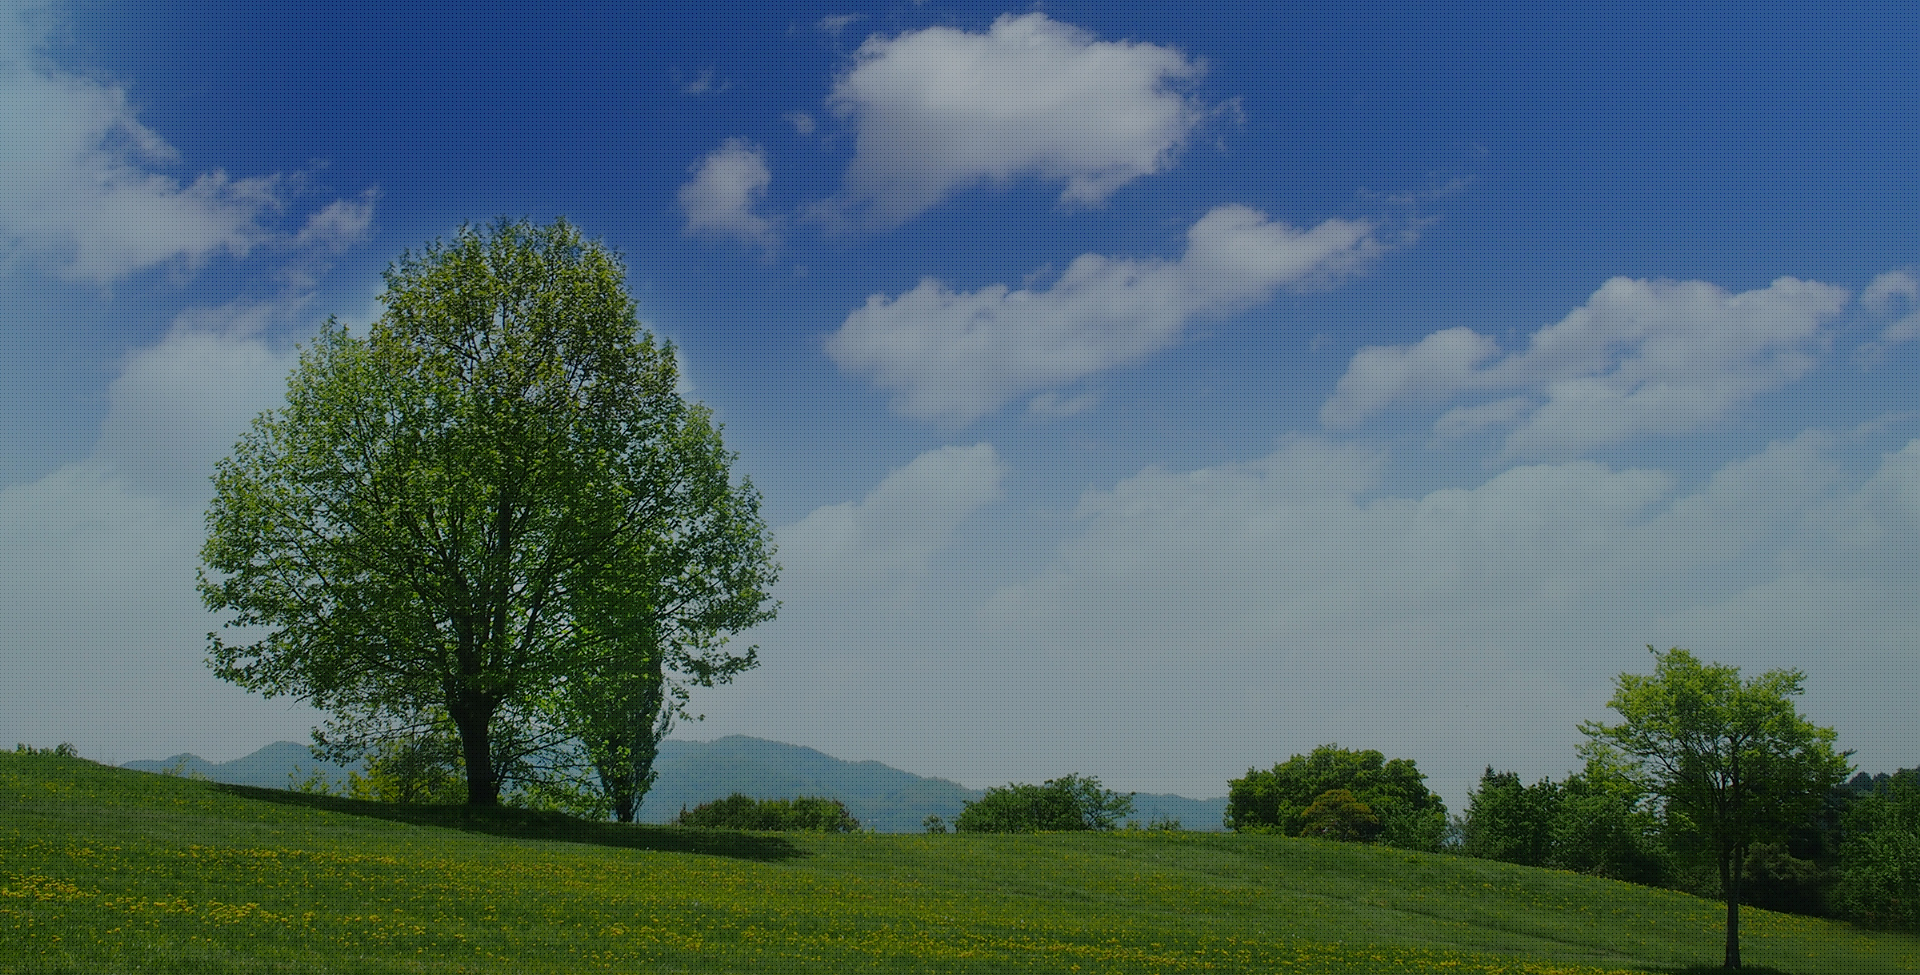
(474, 718)
(624, 807)
(1730, 890)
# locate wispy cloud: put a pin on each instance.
(1639, 358)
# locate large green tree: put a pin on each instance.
(494, 509)
(1395, 791)
(1732, 763)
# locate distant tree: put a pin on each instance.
(1732, 764)
(1879, 871)
(738, 811)
(1276, 801)
(1603, 825)
(1068, 803)
(1508, 821)
(492, 501)
(933, 823)
(425, 769)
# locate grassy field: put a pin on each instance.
(110, 870)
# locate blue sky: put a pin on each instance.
(1142, 391)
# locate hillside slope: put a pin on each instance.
(106, 869)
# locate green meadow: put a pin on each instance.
(109, 870)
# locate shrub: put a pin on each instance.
(806, 814)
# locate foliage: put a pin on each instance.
(1594, 822)
(1605, 827)
(1337, 815)
(425, 769)
(1733, 764)
(1277, 801)
(804, 814)
(933, 824)
(1508, 821)
(1879, 872)
(63, 750)
(1066, 804)
(495, 508)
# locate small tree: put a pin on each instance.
(1733, 764)
(1068, 803)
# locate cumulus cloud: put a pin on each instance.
(939, 110)
(86, 185)
(894, 532)
(956, 356)
(726, 188)
(179, 406)
(1640, 358)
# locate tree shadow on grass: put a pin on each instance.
(534, 824)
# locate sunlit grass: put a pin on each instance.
(107, 870)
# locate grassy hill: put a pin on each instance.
(112, 870)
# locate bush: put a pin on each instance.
(806, 814)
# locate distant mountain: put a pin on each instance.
(693, 772)
(267, 768)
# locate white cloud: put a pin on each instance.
(892, 534)
(87, 186)
(1640, 358)
(1890, 294)
(105, 632)
(956, 356)
(728, 184)
(180, 405)
(339, 224)
(940, 110)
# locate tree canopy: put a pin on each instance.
(1732, 763)
(1394, 792)
(1068, 803)
(494, 510)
